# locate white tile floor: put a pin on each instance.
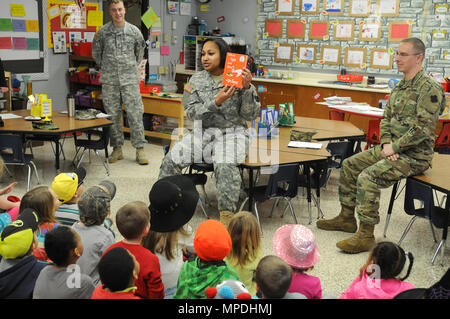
(335, 269)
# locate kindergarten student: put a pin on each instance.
(63, 280)
(378, 277)
(173, 201)
(69, 187)
(118, 271)
(19, 269)
(273, 278)
(133, 222)
(246, 252)
(94, 205)
(45, 202)
(296, 245)
(212, 243)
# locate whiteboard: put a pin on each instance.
(18, 61)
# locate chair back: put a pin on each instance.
(286, 173)
(339, 152)
(443, 140)
(414, 191)
(12, 142)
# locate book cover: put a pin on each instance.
(234, 66)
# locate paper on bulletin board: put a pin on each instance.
(17, 10)
(19, 43)
(19, 25)
(5, 43)
(185, 8)
(95, 18)
(149, 17)
(6, 25)
(32, 25)
(53, 12)
(154, 59)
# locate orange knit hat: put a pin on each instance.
(212, 242)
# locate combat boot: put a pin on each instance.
(345, 221)
(363, 240)
(225, 217)
(116, 154)
(140, 156)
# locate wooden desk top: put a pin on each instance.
(439, 175)
(65, 124)
(326, 125)
(164, 98)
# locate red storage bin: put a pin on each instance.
(95, 78)
(147, 88)
(446, 86)
(76, 48)
(73, 76)
(86, 49)
(350, 78)
(84, 77)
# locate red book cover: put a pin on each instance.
(234, 66)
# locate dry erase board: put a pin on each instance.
(21, 36)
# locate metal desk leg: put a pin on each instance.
(391, 203)
(308, 190)
(250, 190)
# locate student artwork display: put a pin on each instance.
(309, 6)
(330, 54)
(359, 8)
(306, 53)
(388, 8)
(343, 30)
(333, 7)
(285, 7)
(274, 28)
(355, 57)
(370, 30)
(381, 59)
(399, 30)
(295, 28)
(284, 52)
(318, 30)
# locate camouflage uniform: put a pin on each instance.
(118, 52)
(222, 140)
(409, 122)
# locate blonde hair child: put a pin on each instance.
(246, 252)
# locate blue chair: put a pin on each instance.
(13, 154)
(436, 215)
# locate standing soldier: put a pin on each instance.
(406, 148)
(118, 49)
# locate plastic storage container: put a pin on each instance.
(350, 78)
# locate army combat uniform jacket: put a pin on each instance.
(409, 121)
(411, 115)
(118, 52)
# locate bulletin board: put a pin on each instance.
(399, 30)
(274, 28)
(21, 37)
(295, 28)
(318, 30)
(57, 21)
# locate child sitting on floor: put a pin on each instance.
(171, 237)
(246, 252)
(377, 279)
(133, 222)
(118, 271)
(212, 243)
(94, 206)
(63, 280)
(296, 245)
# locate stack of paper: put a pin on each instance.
(316, 146)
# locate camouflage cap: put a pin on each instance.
(94, 203)
(301, 136)
(89, 114)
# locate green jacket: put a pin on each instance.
(411, 115)
(196, 275)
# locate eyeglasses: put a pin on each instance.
(402, 54)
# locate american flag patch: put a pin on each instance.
(188, 88)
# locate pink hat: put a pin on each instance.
(296, 245)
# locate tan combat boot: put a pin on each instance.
(140, 156)
(225, 217)
(116, 154)
(345, 221)
(363, 240)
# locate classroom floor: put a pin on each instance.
(335, 269)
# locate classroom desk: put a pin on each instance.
(438, 178)
(65, 125)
